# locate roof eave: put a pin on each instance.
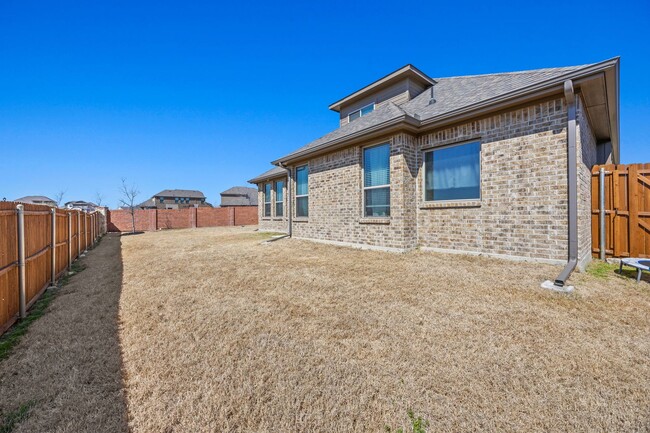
(260, 179)
(336, 106)
(403, 122)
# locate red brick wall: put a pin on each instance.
(214, 217)
(175, 218)
(245, 215)
(159, 219)
(120, 220)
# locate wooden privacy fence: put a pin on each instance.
(37, 245)
(627, 210)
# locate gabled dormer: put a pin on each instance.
(397, 87)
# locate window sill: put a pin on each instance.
(300, 219)
(278, 219)
(266, 218)
(450, 204)
(366, 220)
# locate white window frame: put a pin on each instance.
(269, 202)
(301, 195)
(446, 146)
(363, 182)
(360, 111)
(275, 195)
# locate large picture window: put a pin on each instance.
(302, 191)
(453, 173)
(376, 181)
(279, 198)
(267, 200)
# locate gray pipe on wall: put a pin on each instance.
(572, 184)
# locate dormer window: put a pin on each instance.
(361, 112)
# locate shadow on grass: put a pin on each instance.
(66, 373)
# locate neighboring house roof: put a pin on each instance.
(239, 196)
(464, 95)
(270, 174)
(151, 202)
(190, 193)
(80, 203)
(34, 199)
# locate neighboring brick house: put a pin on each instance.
(239, 196)
(472, 164)
(175, 199)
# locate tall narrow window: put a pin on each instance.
(376, 181)
(279, 198)
(453, 173)
(267, 200)
(302, 191)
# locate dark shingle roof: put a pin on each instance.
(270, 174)
(457, 92)
(191, 193)
(450, 94)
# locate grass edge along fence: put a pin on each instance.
(37, 245)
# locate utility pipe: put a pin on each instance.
(601, 185)
(572, 181)
(289, 201)
(22, 301)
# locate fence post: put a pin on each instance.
(20, 212)
(53, 247)
(69, 213)
(78, 233)
(85, 232)
(601, 185)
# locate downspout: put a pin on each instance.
(572, 184)
(289, 200)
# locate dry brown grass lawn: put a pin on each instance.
(222, 333)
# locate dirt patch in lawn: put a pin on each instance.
(222, 333)
(65, 373)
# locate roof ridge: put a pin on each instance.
(528, 71)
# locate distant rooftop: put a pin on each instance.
(190, 193)
(35, 199)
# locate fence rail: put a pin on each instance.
(161, 219)
(37, 245)
(626, 210)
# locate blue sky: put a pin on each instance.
(202, 95)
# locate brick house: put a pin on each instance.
(175, 199)
(495, 164)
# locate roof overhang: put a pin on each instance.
(408, 71)
(265, 178)
(586, 80)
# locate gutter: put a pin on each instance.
(572, 184)
(289, 201)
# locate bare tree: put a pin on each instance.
(59, 197)
(129, 193)
(99, 198)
